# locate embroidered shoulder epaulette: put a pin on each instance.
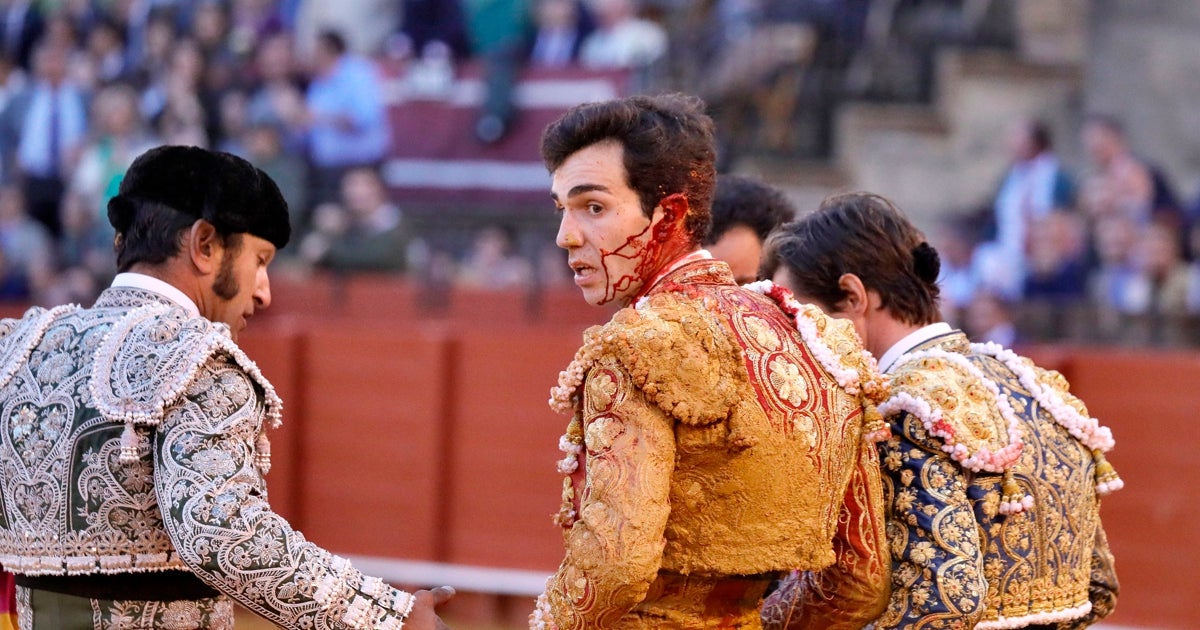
(18, 337)
(1051, 390)
(674, 351)
(959, 405)
(149, 359)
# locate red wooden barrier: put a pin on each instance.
(505, 443)
(1150, 401)
(277, 349)
(370, 455)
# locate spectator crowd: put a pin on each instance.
(1111, 254)
(298, 87)
(295, 86)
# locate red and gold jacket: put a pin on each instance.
(710, 451)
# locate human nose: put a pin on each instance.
(262, 291)
(568, 232)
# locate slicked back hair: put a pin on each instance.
(866, 235)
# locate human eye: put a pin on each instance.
(594, 208)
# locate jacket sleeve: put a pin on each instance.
(614, 549)
(1104, 588)
(854, 590)
(937, 561)
(214, 505)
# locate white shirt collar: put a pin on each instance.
(154, 285)
(910, 341)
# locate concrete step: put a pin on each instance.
(950, 155)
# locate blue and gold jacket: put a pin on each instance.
(992, 479)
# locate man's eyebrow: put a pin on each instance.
(584, 188)
(580, 189)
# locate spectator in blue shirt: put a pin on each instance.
(347, 123)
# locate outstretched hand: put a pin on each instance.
(423, 615)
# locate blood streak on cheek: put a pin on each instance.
(667, 243)
(614, 286)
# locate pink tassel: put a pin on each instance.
(130, 445)
(262, 455)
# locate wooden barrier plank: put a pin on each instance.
(372, 440)
(1149, 400)
(276, 348)
(505, 447)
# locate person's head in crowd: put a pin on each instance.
(744, 212)
(115, 111)
(989, 318)
(633, 182)
(263, 141)
(9, 70)
(234, 115)
(1115, 236)
(610, 13)
(51, 63)
(12, 205)
(1159, 250)
(208, 223)
(1029, 138)
(955, 239)
(1103, 139)
(493, 243)
(106, 45)
(331, 46)
(363, 191)
(187, 63)
(857, 257)
(557, 15)
(1055, 240)
(158, 40)
(60, 32)
(210, 25)
(274, 60)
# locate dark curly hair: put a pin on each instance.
(668, 148)
(747, 201)
(868, 236)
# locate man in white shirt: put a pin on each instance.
(993, 469)
(136, 430)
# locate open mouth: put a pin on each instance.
(581, 269)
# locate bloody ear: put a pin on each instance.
(675, 206)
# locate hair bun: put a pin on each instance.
(926, 262)
(120, 212)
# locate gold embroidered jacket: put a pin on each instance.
(1018, 545)
(132, 440)
(716, 452)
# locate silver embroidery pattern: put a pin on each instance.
(24, 609)
(206, 614)
(224, 528)
(57, 516)
(195, 501)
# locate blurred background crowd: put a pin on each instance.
(1101, 247)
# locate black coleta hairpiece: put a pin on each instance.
(926, 262)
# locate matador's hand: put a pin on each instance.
(424, 615)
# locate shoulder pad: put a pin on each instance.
(959, 406)
(679, 355)
(151, 356)
(18, 337)
(837, 346)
